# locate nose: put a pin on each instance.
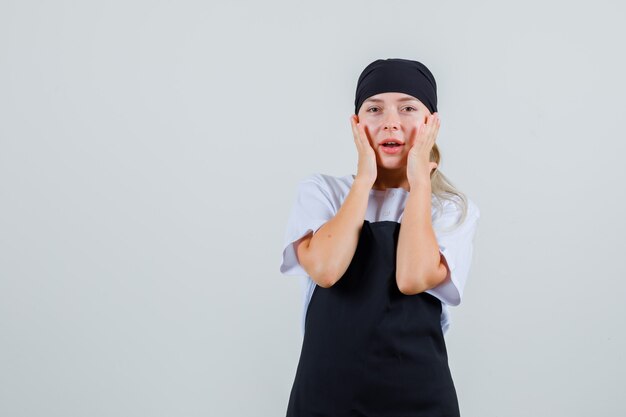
(391, 122)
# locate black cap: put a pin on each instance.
(397, 75)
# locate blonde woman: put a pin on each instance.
(382, 253)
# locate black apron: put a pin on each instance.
(369, 350)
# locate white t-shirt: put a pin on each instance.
(320, 196)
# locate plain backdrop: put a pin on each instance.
(149, 154)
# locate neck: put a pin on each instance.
(391, 179)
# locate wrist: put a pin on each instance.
(421, 183)
(362, 183)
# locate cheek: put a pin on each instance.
(420, 120)
(369, 128)
(420, 117)
(413, 133)
(370, 132)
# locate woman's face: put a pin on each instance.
(392, 116)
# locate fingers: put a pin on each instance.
(354, 130)
(363, 135)
(355, 133)
(435, 123)
(358, 131)
(430, 128)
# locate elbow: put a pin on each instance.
(418, 283)
(410, 285)
(324, 278)
(318, 270)
(325, 282)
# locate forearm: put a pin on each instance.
(334, 244)
(417, 258)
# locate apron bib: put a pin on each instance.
(369, 350)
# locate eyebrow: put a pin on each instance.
(377, 100)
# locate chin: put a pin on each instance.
(393, 165)
(392, 160)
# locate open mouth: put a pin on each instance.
(391, 148)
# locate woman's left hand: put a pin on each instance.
(419, 166)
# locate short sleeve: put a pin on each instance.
(456, 246)
(311, 209)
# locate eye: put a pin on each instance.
(371, 108)
(411, 107)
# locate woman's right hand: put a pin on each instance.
(367, 170)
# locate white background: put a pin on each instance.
(149, 153)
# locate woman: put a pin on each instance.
(382, 253)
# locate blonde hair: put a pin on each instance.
(443, 189)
